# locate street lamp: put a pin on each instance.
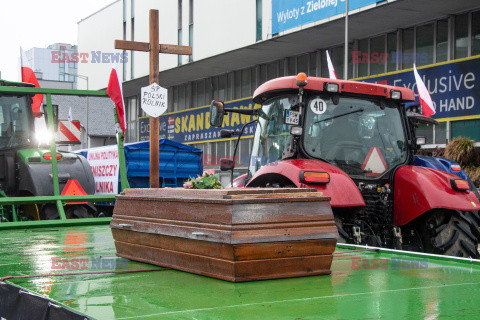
(84, 78)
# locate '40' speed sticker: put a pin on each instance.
(318, 106)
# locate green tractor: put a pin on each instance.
(26, 168)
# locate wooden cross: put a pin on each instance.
(154, 47)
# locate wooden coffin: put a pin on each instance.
(231, 234)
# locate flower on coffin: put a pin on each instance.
(208, 180)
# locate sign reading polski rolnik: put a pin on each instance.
(288, 14)
(193, 125)
(154, 100)
(454, 87)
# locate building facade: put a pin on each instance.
(238, 45)
(54, 63)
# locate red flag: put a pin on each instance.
(114, 90)
(29, 76)
(428, 109)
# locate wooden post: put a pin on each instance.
(154, 47)
(154, 122)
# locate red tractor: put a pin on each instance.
(353, 142)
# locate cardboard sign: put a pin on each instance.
(154, 100)
(105, 168)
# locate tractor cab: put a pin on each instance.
(15, 121)
(365, 138)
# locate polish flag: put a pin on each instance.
(114, 90)
(331, 70)
(428, 109)
(28, 76)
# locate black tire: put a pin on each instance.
(452, 233)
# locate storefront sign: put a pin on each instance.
(454, 87)
(193, 125)
(104, 164)
(288, 14)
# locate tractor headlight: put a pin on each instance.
(331, 87)
(43, 137)
(394, 94)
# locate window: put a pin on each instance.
(272, 131)
(272, 70)
(201, 93)
(179, 36)
(377, 55)
(313, 64)
(337, 56)
(343, 136)
(302, 64)
(246, 81)
(259, 20)
(466, 128)
(461, 36)
(407, 48)
(291, 66)
(175, 98)
(392, 51)
(179, 30)
(362, 51)
(190, 30)
(132, 37)
(280, 68)
(222, 83)
(442, 40)
(14, 122)
(181, 98)
(263, 73)
(441, 133)
(476, 33)
(237, 93)
(132, 117)
(424, 45)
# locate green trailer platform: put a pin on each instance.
(364, 284)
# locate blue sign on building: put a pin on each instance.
(288, 14)
(453, 86)
(193, 125)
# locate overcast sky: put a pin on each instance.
(38, 23)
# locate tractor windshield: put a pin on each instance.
(14, 122)
(364, 138)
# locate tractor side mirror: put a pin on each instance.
(217, 112)
(226, 164)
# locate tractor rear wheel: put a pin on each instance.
(453, 233)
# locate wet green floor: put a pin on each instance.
(417, 289)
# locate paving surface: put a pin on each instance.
(397, 287)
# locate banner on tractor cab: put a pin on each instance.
(193, 125)
(288, 14)
(453, 86)
(18, 303)
(105, 167)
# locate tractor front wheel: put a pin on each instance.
(453, 233)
